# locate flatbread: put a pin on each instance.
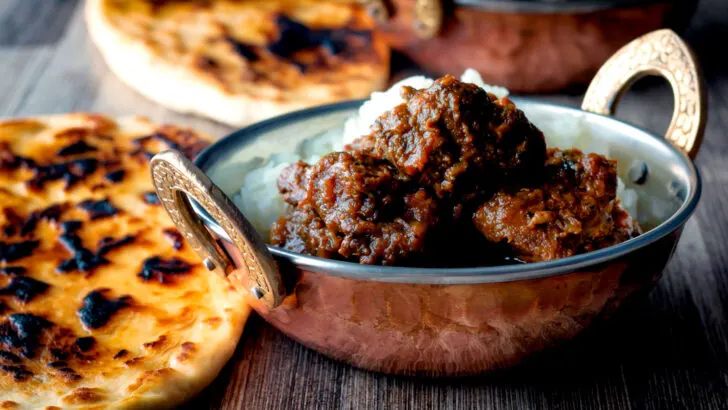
(102, 304)
(239, 62)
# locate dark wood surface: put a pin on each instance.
(670, 351)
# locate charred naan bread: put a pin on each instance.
(102, 304)
(240, 61)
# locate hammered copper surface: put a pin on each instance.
(455, 330)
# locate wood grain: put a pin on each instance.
(670, 351)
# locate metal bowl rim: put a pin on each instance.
(487, 274)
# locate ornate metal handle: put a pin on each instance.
(665, 54)
(428, 18)
(428, 15)
(175, 177)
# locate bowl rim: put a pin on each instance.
(460, 275)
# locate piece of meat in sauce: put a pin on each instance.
(574, 210)
(456, 139)
(353, 208)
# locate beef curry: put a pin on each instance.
(454, 176)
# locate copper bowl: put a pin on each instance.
(447, 321)
(524, 45)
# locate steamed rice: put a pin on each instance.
(262, 204)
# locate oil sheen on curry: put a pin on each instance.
(452, 177)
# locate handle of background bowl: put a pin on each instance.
(175, 178)
(665, 54)
(427, 15)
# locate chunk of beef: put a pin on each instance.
(400, 240)
(351, 195)
(456, 139)
(301, 230)
(573, 210)
(354, 208)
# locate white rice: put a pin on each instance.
(262, 204)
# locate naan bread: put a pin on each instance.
(240, 61)
(102, 304)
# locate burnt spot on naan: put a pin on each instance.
(24, 288)
(186, 141)
(7, 357)
(71, 226)
(70, 171)
(13, 270)
(206, 63)
(163, 270)
(246, 51)
(84, 344)
(295, 36)
(58, 353)
(76, 148)
(84, 395)
(142, 155)
(10, 161)
(51, 213)
(98, 209)
(13, 222)
(150, 198)
(156, 344)
(72, 133)
(69, 374)
(115, 176)
(20, 373)
(134, 361)
(57, 364)
(174, 237)
(11, 405)
(97, 309)
(107, 244)
(11, 252)
(187, 349)
(293, 43)
(151, 377)
(65, 348)
(22, 331)
(81, 259)
(144, 141)
(62, 370)
(121, 354)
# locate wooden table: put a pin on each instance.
(669, 352)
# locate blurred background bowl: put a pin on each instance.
(528, 46)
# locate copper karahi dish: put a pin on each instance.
(447, 321)
(525, 45)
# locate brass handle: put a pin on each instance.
(175, 177)
(427, 18)
(665, 54)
